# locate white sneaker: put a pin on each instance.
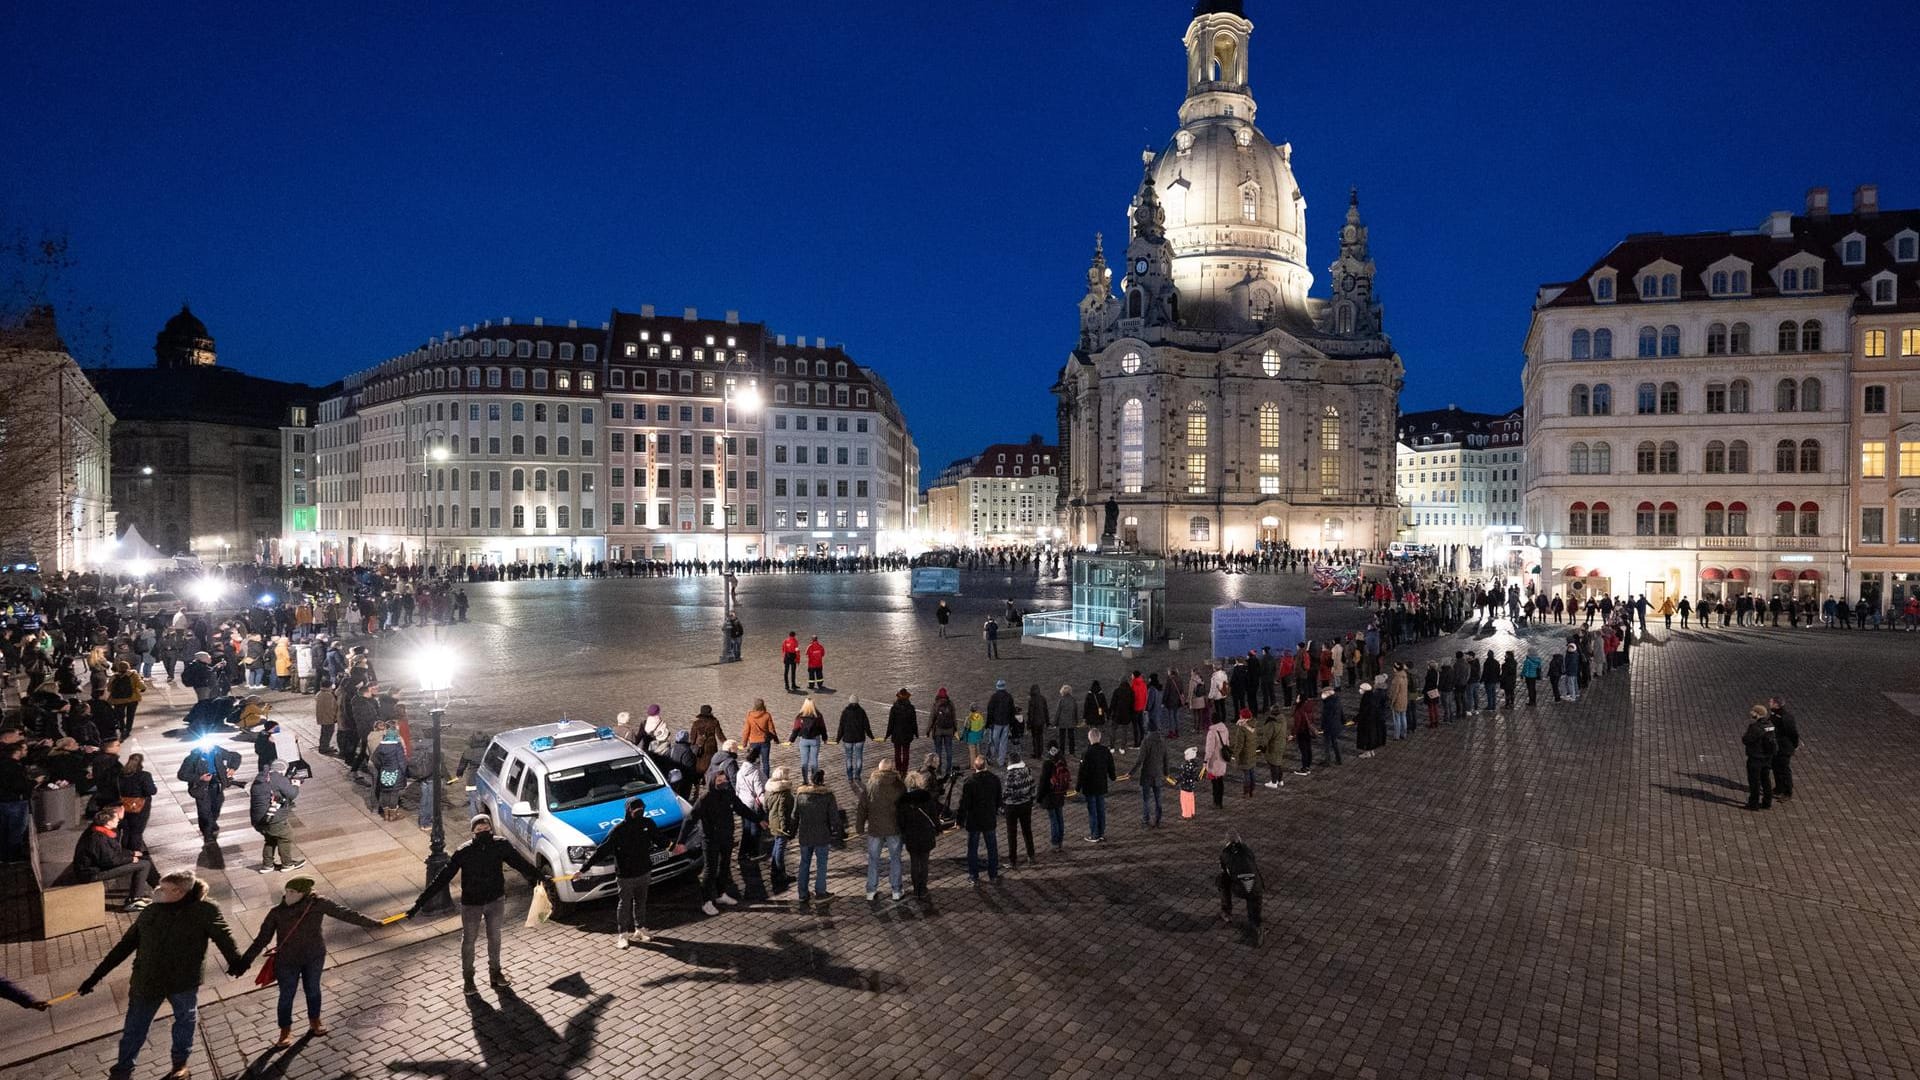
(896, 898)
(709, 908)
(871, 893)
(620, 941)
(640, 937)
(1271, 784)
(726, 901)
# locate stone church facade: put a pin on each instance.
(1217, 403)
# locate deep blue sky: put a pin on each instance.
(920, 182)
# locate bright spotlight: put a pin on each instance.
(747, 399)
(208, 591)
(140, 567)
(433, 667)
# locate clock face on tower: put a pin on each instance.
(1140, 266)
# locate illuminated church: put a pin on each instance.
(1216, 402)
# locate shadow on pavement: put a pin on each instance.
(786, 960)
(1701, 794)
(1717, 781)
(515, 1040)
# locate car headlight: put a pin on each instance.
(577, 855)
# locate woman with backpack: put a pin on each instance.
(389, 774)
(1056, 779)
(1093, 712)
(123, 695)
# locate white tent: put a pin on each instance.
(133, 555)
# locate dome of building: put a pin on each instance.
(184, 342)
(185, 325)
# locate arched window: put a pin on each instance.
(1582, 345)
(1809, 519)
(1810, 395)
(1717, 339)
(1740, 339)
(1643, 519)
(1789, 336)
(1669, 457)
(1716, 397)
(1646, 399)
(561, 516)
(1136, 304)
(1786, 396)
(1715, 521)
(1738, 458)
(1716, 458)
(1649, 342)
(561, 479)
(1669, 285)
(519, 480)
(1646, 457)
(1717, 285)
(539, 517)
(1740, 281)
(1133, 446)
(1269, 428)
(1577, 519)
(1790, 280)
(1602, 458)
(1578, 458)
(1810, 455)
(1784, 519)
(1330, 451)
(519, 515)
(1199, 529)
(539, 479)
(1249, 203)
(1810, 280)
(1667, 520)
(1810, 336)
(1602, 399)
(1739, 396)
(1785, 454)
(1650, 286)
(1669, 397)
(1669, 341)
(1736, 519)
(1600, 519)
(1603, 344)
(1578, 400)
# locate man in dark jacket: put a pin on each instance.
(1786, 734)
(1151, 771)
(630, 846)
(480, 863)
(168, 943)
(1240, 875)
(979, 814)
(903, 726)
(1761, 747)
(1039, 719)
(98, 856)
(270, 811)
(714, 814)
(356, 721)
(1000, 710)
(1096, 776)
(814, 810)
(852, 734)
(1333, 717)
(208, 772)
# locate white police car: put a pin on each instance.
(556, 790)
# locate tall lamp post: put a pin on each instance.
(434, 669)
(748, 398)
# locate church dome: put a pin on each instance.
(1221, 174)
(183, 342)
(185, 326)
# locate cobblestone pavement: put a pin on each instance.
(1571, 890)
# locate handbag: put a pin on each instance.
(133, 804)
(268, 968)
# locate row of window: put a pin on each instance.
(663, 444)
(818, 519)
(1873, 343)
(663, 515)
(820, 455)
(1722, 340)
(523, 349)
(1650, 458)
(1873, 525)
(820, 423)
(1133, 448)
(1663, 399)
(1717, 519)
(1873, 459)
(515, 378)
(674, 352)
(562, 517)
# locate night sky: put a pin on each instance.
(919, 182)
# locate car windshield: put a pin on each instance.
(601, 782)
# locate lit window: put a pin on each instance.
(1873, 343)
(1133, 447)
(1130, 362)
(1330, 452)
(1270, 362)
(1196, 474)
(1909, 458)
(1873, 459)
(1196, 424)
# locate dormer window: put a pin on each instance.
(1884, 288)
(1649, 286)
(1790, 280)
(1717, 285)
(1853, 249)
(1906, 246)
(1603, 290)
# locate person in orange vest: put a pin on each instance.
(790, 661)
(816, 664)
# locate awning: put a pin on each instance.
(1809, 575)
(1574, 571)
(1713, 573)
(1594, 573)
(1783, 575)
(1739, 573)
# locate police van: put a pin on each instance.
(555, 791)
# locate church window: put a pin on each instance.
(1130, 362)
(1133, 447)
(1249, 203)
(1136, 304)
(1196, 474)
(1269, 424)
(1200, 530)
(1343, 318)
(1197, 425)
(1270, 362)
(1330, 451)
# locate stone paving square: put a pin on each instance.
(1567, 891)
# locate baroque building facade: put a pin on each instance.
(1218, 404)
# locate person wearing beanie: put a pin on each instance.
(1333, 717)
(1189, 780)
(293, 927)
(903, 726)
(944, 726)
(1762, 744)
(629, 846)
(1219, 744)
(653, 730)
(1245, 744)
(480, 864)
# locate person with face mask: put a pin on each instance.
(480, 863)
(301, 951)
(168, 943)
(629, 845)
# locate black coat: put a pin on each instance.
(903, 722)
(629, 846)
(1096, 770)
(918, 829)
(1786, 734)
(481, 863)
(854, 725)
(979, 802)
(95, 853)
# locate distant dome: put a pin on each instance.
(185, 325)
(184, 342)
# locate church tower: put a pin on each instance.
(183, 342)
(1353, 311)
(1149, 295)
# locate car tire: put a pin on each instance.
(562, 909)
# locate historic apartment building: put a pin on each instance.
(645, 437)
(1461, 477)
(1694, 404)
(56, 437)
(1005, 494)
(1217, 403)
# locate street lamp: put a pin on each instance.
(748, 398)
(433, 667)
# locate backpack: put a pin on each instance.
(122, 686)
(1238, 862)
(1059, 780)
